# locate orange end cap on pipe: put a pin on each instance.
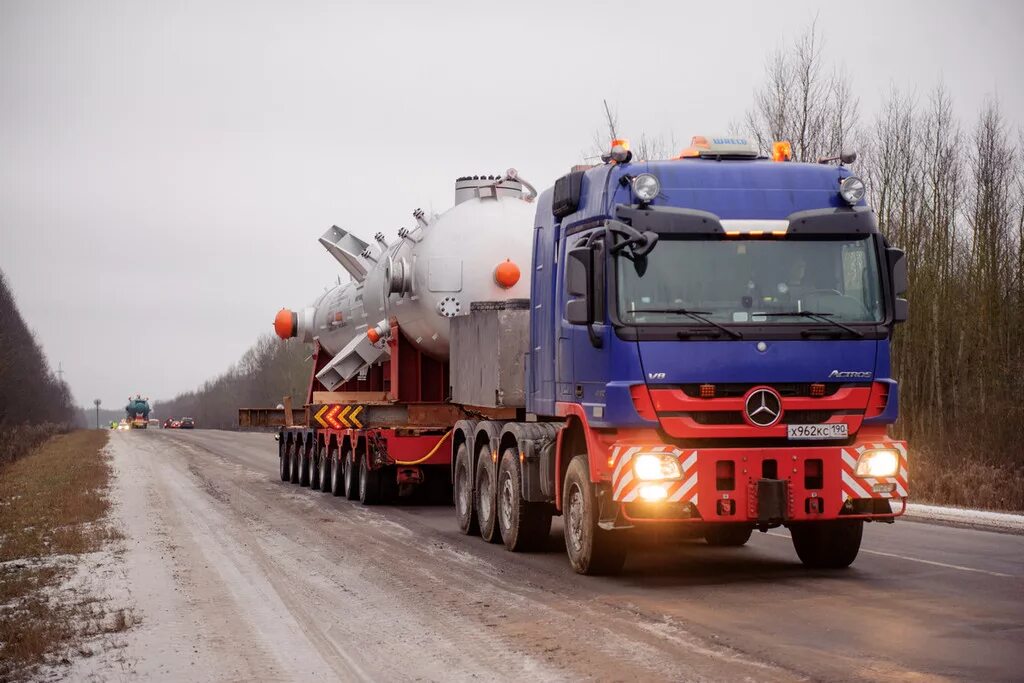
(286, 324)
(506, 274)
(373, 335)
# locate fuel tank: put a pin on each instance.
(478, 250)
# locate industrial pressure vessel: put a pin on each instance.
(475, 251)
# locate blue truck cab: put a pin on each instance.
(711, 336)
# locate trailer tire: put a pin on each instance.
(337, 473)
(285, 464)
(486, 502)
(827, 545)
(591, 549)
(351, 477)
(525, 526)
(465, 501)
(369, 484)
(304, 468)
(314, 468)
(325, 470)
(294, 461)
(727, 535)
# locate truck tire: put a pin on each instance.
(727, 535)
(465, 505)
(486, 502)
(285, 464)
(351, 477)
(591, 549)
(337, 473)
(827, 545)
(524, 526)
(369, 483)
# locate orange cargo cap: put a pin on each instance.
(506, 274)
(285, 323)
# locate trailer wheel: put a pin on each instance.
(285, 464)
(486, 496)
(827, 545)
(337, 472)
(524, 525)
(465, 508)
(295, 461)
(731, 535)
(351, 476)
(325, 470)
(591, 549)
(369, 483)
(304, 467)
(314, 468)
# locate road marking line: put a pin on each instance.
(917, 559)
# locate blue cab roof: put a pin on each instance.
(731, 189)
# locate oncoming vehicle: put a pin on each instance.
(705, 349)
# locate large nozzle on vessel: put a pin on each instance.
(286, 324)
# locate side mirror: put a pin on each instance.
(897, 259)
(579, 264)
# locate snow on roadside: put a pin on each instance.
(978, 519)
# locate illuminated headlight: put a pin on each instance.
(656, 467)
(852, 189)
(646, 187)
(878, 463)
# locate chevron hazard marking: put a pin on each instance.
(332, 415)
(319, 417)
(342, 414)
(352, 417)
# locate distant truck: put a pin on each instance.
(699, 344)
(137, 412)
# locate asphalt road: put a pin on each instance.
(292, 583)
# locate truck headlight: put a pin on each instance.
(646, 187)
(852, 189)
(656, 467)
(882, 462)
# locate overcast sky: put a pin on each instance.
(166, 167)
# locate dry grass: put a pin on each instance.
(53, 506)
(968, 482)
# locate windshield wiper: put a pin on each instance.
(696, 315)
(820, 317)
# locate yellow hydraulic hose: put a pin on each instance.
(427, 456)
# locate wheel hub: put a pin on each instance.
(507, 501)
(576, 518)
(463, 498)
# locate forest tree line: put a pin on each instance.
(34, 401)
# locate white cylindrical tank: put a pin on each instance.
(479, 250)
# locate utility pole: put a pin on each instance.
(96, 402)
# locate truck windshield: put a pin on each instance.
(739, 281)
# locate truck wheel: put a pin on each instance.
(465, 510)
(591, 549)
(486, 499)
(727, 534)
(524, 526)
(351, 477)
(827, 545)
(285, 462)
(369, 484)
(337, 473)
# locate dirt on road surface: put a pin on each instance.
(239, 576)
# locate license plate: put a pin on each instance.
(825, 431)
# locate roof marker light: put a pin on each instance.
(782, 150)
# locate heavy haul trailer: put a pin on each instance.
(707, 351)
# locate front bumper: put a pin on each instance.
(764, 486)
